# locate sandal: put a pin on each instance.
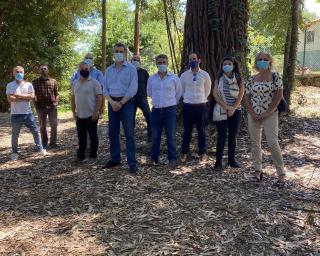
(258, 176)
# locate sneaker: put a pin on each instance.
(153, 162)
(183, 158)
(43, 152)
(133, 169)
(203, 158)
(14, 156)
(234, 164)
(217, 167)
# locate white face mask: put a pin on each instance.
(118, 56)
(135, 63)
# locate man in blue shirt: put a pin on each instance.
(141, 100)
(120, 86)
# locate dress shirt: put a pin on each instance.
(46, 92)
(120, 82)
(196, 86)
(164, 92)
(94, 73)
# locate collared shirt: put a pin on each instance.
(164, 92)
(196, 87)
(120, 82)
(20, 107)
(143, 77)
(46, 92)
(94, 73)
(85, 93)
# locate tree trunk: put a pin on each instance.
(213, 29)
(291, 63)
(104, 37)
(137, 28)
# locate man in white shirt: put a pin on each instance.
(19, 94)
(196, 84)
(165, 90)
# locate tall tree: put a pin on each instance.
(215, 28)
(104, 36)
(137, 28)
(291, 49)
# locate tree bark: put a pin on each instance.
(291, 63)
(104, 37)
(213, 29)
(137, 28)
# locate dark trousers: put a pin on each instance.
(228, 127)
(43, 113)
(164, 118)
(194, 114)
(142, 103)
(87, 126)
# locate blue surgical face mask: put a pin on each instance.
(89, 62)
(193, 64)
(135, 63)
(162, 68)
(227, 68)
(19, 76)
(262, 64)
(118, 56)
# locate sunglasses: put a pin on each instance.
(262, 59)
(118, 51)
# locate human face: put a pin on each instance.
(44, 71)
(119, 54)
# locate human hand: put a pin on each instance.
(95, 116)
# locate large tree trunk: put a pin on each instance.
(291, 57)
(137, 28)
(213, 29)
(104, 37)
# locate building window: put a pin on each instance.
(310, 36)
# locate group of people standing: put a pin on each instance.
(126, 87)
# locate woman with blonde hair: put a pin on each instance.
(263, 94)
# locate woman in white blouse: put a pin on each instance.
(263, 94)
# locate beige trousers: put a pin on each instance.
(270, 127)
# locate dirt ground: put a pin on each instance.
(52, 206)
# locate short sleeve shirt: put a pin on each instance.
(19, 107)
(262, 92)
(85, 93)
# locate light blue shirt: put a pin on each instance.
(94, 73)
(164, 92)
(120, 82)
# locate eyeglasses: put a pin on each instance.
(262, 59)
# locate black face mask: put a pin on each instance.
(84, 73)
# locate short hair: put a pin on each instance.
(41, 65)
(88, 53)
(258, 56)
(17, 67)
(121, 45)
(162, 56)
(197, 54)
(83, 63)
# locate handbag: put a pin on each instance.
(282, 106)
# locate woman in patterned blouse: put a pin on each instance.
(263, 94)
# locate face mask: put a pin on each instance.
(135, 63)
(262, 64)
(162, 68)
(227, 68)
(89, 62)
(19, 76)
(193, 64)
(118, 56)
(84, 73)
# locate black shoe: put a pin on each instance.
(133, 169)
(217, 167)
(93, 155)
(111, 164)
(234, 164)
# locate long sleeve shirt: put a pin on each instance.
(196, 86)
(94, 73)
(164, 92)
(120, 82)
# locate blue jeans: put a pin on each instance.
(17, 120)
(142, 103)
(125, 116)
(194, 114)
(164, 118)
